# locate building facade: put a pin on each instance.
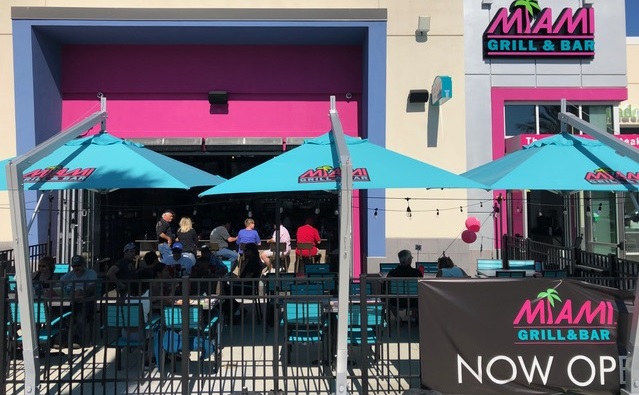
(279, 63)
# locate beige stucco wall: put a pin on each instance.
(412, 63)
(632, 51)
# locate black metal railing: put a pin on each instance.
(607, 270)
(7, 263)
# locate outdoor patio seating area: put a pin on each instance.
(197, 344)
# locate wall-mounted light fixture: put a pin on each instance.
(218, 97)
(418, 96)
(423, 25)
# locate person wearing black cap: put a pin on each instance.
(165, 234)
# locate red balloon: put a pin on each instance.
(473, 224)
(468, 236)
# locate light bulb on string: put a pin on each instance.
(336, 212)
(155, 214)
(375, 214)
(481, 204)
(281, 210)
(518, 208)
(317, 210)
(120, 213)
(250, 214)
(409, 213)
(461, 209)
(600, 207)
(438, 212)
(247, 207)
(588, 211)
(194, 211)
(565, 210)
(540, 213)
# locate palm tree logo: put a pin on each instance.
(326, 168)
(531, 6)
(551, 295)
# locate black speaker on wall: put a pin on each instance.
(218, 97)
(418, 96)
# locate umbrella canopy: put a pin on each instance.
(313, 166)
(103, 161)
(563, 163)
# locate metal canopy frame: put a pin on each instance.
(632, 364)
(345, 247)
(15, 183)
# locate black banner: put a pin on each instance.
(532, 336)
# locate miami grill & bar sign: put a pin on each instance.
(526, 30)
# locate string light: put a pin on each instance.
(540, 213)
(409, 213)
(247, 207)
(281, 210)
(565, 210)
(461, 209)
(600, 207)
(375, 214)
(317, 210)
(194, 211)
(518, 208)
(438, 212)
(336, 212)
(250, 214)
(481, 204)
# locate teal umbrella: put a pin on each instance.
(560, 163)
(103, 162)
(313, 166)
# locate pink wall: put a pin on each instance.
(501, 96)
(161, 91)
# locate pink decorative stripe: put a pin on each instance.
(556, 53)
(540, 37)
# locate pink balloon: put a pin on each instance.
(468, 236)
(473, 224)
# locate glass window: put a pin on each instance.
(549, 119)
(600, 116)
(520, 119)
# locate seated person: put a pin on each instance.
(80, 284)
(45, 275)
(267, 256)
(446, 268)
(251, 269)
(163, 290)
(253, 266)
(404, 269)
(179, 262)
(217, 267)
(308, 234)
(139, 293)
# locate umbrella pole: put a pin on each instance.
(345, 249)
(15, 182)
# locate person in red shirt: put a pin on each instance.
(308, 234)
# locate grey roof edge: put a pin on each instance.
(200, 14)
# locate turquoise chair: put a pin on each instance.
(305, 325)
